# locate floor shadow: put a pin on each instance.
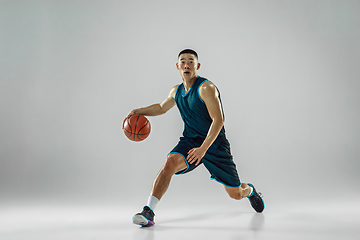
(257, 222)
(197, 217)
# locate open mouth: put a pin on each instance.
(186, 72)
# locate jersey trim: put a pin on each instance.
(183, 92)
(183, 171)
(199, 88)
(177, 88)
(224, 183)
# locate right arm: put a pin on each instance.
(159, 108)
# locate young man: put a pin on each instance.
(203, 141)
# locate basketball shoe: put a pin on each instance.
(256, 200)
(145, 218)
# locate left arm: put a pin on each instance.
(210, 96)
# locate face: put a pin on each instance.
(188, 66)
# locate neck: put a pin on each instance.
(189, 82)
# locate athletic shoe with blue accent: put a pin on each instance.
(145, 218)
(256, 200)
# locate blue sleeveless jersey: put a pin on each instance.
(193, 111)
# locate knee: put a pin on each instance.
(172, 163)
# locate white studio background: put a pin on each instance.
(70, 71)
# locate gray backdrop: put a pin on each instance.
(70, 71)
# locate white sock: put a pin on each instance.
(251, 191)
(152, 201)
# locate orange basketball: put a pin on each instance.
(137, 128)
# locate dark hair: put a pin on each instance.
(190, 51)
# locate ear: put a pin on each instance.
(198, 66)
(177, 66)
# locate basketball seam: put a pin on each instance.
(133, 134)
(136, 126)
(137, 133)
(128, 121)
(143, 126)
(142, 133)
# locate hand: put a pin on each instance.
(129, 115)
(195, 155)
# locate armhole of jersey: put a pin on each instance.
(199, 92)
(222, 109)
(176, 91)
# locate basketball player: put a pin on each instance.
(203, 141)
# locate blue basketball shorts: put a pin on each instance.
(217, 160)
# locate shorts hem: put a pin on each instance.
(183, 171)
(225, 184)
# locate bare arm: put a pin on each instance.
(159, 108)
(210, 96)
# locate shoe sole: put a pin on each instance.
(141, 220)
(262, 208)
(260, 198)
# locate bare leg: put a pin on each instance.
(238, 193)
(174, 163)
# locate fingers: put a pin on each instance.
(124, 121)
(190, 158)
(129, 115)
(194, 160)
(193, 157)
